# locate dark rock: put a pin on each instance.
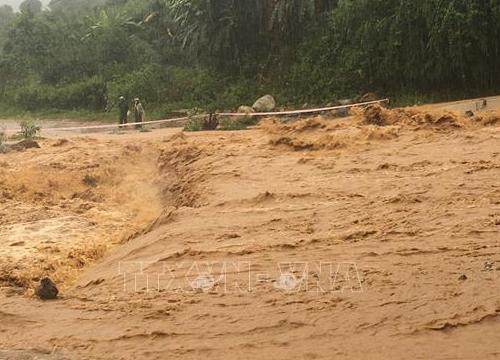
(24, 145)
(469, 113)
(47, 290)
(90, 181)
(462, 278)
(342, 112)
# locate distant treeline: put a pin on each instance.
(84, 54)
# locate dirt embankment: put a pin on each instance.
(408, 201)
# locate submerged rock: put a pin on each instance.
(24, 145)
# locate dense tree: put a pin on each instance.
(198, 52)
(74, 8)
(6, 18)
(31, 7)
(432, 44)
(231, 31)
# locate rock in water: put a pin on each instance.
(374, 115)
(265, 104)
(25, 144)
(47, 290)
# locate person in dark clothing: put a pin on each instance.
(123, 108)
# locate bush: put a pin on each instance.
(29, 130)
(86, 94)
(194, 122)
(170, 88)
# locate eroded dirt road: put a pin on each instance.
(318, 239)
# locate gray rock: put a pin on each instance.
(243, 109)
(344, 102)
(265, 104)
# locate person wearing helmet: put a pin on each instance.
(123, 109)
(138, 112)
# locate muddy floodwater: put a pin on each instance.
(372, 236)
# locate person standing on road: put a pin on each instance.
(139, 112)
(123, 109)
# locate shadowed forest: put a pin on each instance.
(181, 54)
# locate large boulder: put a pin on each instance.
(265, 104)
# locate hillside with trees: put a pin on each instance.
(175, 54)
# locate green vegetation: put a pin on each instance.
(78, 56)
(29, 130)
(239, 123)
(194, 123)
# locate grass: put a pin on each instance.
(8, 112)
(194, 124)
